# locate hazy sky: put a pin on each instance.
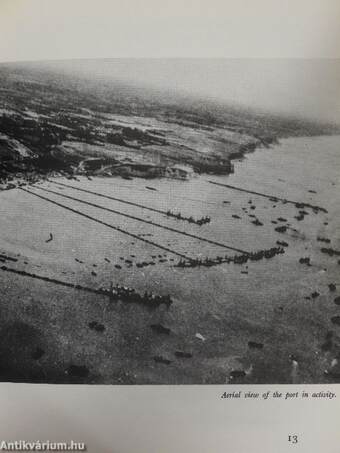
(303, 87)
(40, 29)
(65, 29)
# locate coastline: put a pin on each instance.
(49, 127)
(279, 291)
(121, 263)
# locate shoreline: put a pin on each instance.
(33, 175)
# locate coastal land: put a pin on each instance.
(142, 242)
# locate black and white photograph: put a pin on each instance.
(170, 221)
(170, 226)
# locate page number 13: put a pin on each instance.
(293, 438)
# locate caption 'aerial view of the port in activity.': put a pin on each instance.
(151, 235)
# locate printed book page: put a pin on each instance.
(170, 226)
